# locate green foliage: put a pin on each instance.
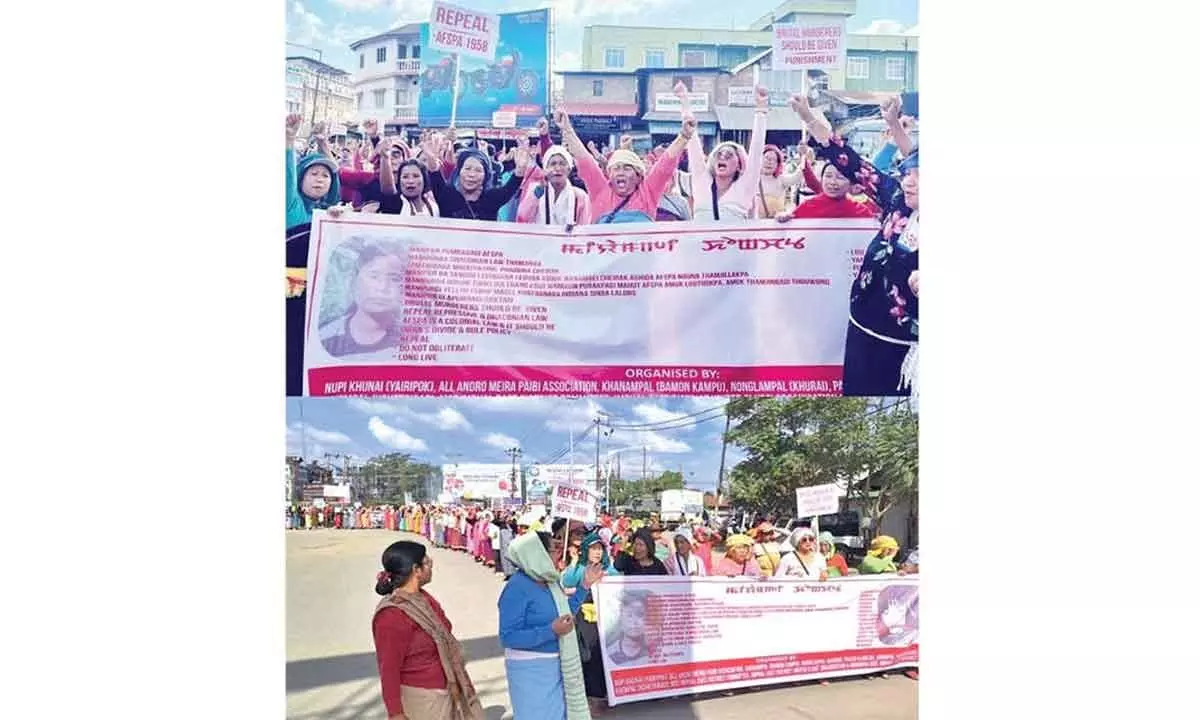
(869, 446)
(387, 478)
(625, 492)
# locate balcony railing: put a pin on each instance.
(405, 113)
(408, 66)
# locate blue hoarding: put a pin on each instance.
(516, 81)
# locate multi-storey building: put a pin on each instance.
(387, 80)
(318, 92)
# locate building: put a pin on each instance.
(386, 84)
(318, 93)
(875, 62)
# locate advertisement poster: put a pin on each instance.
(547, 475)
(399, 306)
(816, 43)
(663, 637)
(517, 80)
(477, 481)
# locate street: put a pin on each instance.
(331, 671)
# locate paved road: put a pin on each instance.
(331, 673)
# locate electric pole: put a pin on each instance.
(643, 463)
(514, 453)
(598, 483)
(721, 472)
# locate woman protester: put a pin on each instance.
(404, 187)
(835, 562)
(738, 560)
(881, 558)
(804, 561)
(684, 561)
(537, 631)
(421, 667)
(628, 192)
(842, 170)
(310, 184)
(726, 182)
(640, 559)
(548, 197)
(468, 194)
(372, 323)
(595, 558)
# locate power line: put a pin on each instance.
(680, 424)
(653, 425)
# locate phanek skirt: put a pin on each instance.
(425, 704)
(535, 686)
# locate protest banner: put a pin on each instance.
(814, 43)
(477, 480)
(817, 500)
(454, 29)
(478, 308)
(664, 637)
(573, 502)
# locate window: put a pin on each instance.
(692, 58)
(380, 98)
(614, 58)
(358, 101)
(401, 51)
(894, 69)
(597, 88)
(294, 108)
(858, 68)
(362, 61)
(416, 52)
(381, 55)
(655, 58)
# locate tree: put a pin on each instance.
(626, 492)
(868, 447)
(388, 478)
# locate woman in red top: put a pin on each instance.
(421, 666)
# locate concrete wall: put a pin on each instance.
(617, 88)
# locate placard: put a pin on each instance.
(504, 119)
(817, 500)
(456, 29)
(573, 502)
(669, 102)
(816, 43)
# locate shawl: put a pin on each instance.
(462, 691)
(430, 209)
(527, 553)
(562, 206)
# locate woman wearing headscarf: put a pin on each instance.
(311, 184)
(703, 547)
(725, 183)
(738, 560)
(683, 562)
(537, 631)
(804, 561)
(469, 195)
(640, 559)
(766, 548)
(835, 562)
(881, 558)
(594, 558)
(421, 667)
(548, 197)
(629, 192)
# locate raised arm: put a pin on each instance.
(817, 126)
(589, 171)
(291, 190)
(664, 168)
(891, 115)
(758, 136)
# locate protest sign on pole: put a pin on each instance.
(481, 308)
(663, 637)
(504, 119)
(817, 500)
(814, 43)
(462, 32)
(573, 502)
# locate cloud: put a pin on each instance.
(303, 25)
(572, 11)
(883, 27)
(514, 405)
(343, 34)
(705, 402)
(375, 407)
(359, 4)
(394, 437)
(331, 437)
(500, 440)
(566, 61)
(412, 10)
(652, 413)
(450, 419)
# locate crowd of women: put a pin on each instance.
(547, 620)
(573, 183)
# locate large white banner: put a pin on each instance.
(455, 29)
(477, 480)
(410, 306)
(548, 475)
(664, 637)
(815, 43)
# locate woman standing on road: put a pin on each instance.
(421, 666)
(537, 630)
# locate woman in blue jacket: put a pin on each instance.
(537, 630)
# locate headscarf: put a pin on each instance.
(738, 540)
(332, 196)
(827, 538)
(794, 538)
(528, 554)
(738, 150)
(627, 157)
(882, 544)
(489, 172)
(561, 152)
(596, 538)
(685, 534)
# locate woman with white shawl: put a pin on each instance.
(548, 197)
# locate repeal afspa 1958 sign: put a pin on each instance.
(467, 32)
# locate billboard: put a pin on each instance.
(477, 481)
(542, 477)
(518, 81)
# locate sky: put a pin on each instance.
(331, 25)
(464, 430)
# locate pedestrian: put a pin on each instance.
(804, 561)
(683, 561)
(835, 562)
(537, 631)
(642, 560)
(422, 671)
(595, 557)
(739, 560)
(881, 558)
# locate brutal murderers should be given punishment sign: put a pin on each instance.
(459, 30)
(816, 43)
